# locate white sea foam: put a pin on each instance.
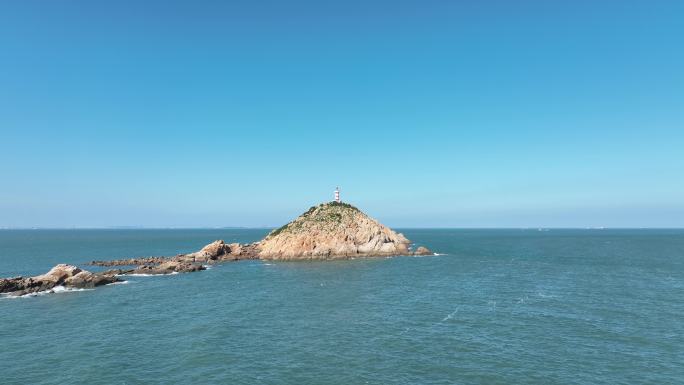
(545, 295)
(451, 315)
(54, 290)
(207, 267)
(118, 283)
(422, 256)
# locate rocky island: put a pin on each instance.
(329, 231)
(333, 230)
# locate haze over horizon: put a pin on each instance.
(426, 114)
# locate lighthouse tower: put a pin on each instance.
(337, 194)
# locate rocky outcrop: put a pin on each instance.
(220, 251)
(217, 251)
(130, 261)
(208, 253)
(214, 250)
(422, 250)
(241, 251)
(86, 279)
(168, 267)
(332, 231)
(61, 275)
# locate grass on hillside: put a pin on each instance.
(328, 217)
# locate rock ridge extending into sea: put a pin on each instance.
(328, 231)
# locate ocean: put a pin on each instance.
(494, 307)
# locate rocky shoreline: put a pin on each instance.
(328, 231)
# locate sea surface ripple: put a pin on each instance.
(495, 307)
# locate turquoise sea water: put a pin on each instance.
(497, 307)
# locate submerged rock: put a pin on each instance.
(332, 231)
(422, 250)
(68, 276)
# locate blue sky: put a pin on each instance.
(426, 113)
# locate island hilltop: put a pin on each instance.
(333, 230)
(328, 231)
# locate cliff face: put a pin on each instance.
(332, 231)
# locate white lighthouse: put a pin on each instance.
(337, 194)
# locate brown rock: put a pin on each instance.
(209, 253)
(8, 285)
(67, 275)
(215, 249)
(86, 279)
(332, 231)
(241, 251)
(58, 274)
(422, 250)
(219, 251)
(168, 267)
(130, 261)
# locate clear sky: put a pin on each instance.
(425, 113)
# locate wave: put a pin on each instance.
(542, 295)
(54, 290)
(451, 315)
(424, 256)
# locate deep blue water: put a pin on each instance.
(498, 307)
